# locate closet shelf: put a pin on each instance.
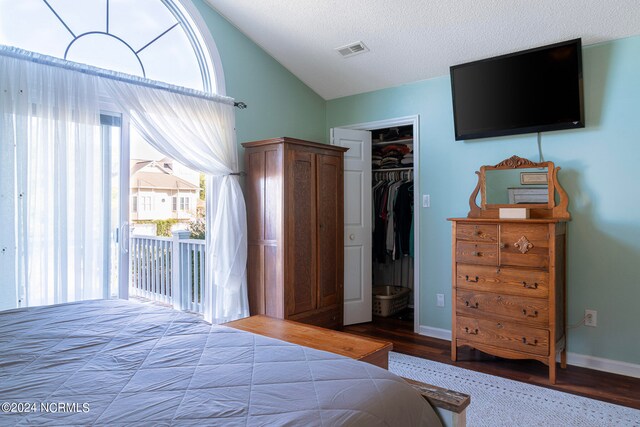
(397, 141)
(392, 169)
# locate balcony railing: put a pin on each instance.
(169, 270)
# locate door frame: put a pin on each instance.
(415, 122)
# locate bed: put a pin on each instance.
(116, 362)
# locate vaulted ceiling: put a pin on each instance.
(411, 40)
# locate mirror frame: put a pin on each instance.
(537, 210)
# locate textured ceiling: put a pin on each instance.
(413, 40)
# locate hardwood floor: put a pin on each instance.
(599, 385)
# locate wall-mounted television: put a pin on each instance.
(534, 90)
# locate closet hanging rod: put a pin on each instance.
(392, 169)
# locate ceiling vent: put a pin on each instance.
(352, 49)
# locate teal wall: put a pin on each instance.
(598, 170)
(279, 104)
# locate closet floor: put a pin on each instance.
(604, 386)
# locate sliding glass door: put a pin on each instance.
(71, 211)
(116, 194)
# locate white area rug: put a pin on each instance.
(497, 401)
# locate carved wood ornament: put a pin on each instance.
(514, 162)
(523, 244)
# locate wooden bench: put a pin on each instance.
(355, 347)
(450, 405)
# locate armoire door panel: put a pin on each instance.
(330, 185)
(272, 193)
(301, 252)
(255, 276)
(273, 298)
(255, 196)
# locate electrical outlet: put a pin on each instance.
(590, 318)
(440, 300)
(426, 200)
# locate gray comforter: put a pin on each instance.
(114, 362)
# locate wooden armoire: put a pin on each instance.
(295, 202)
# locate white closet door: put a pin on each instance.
(357, 223)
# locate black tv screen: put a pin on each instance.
(534, 90)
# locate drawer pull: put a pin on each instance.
(499, 326)
(535, 313)
(524, 341)
(477, 233)
(530, 286)
(474, 332)
(474, 253)
(470, 305)
(503, 245)
(471, 280)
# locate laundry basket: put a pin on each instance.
(388, 300)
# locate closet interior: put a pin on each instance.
(392, 221)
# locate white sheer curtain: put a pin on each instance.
(52, 117)
(200, 134)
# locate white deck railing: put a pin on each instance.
(169, 270)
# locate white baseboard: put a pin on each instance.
(443, 334)
(606, 365)
(575, 359)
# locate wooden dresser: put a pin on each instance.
(508, 287)
(295, 202)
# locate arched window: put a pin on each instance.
(156, 39)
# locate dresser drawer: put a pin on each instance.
(487, 233)
(512, 281)
(525, 245)
(534, 311)
(503, 334)
(477, 253)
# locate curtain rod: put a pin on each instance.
(14, 52)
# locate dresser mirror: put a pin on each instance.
(519, 182)
(522, 186)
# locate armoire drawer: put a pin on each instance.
(487, 233)
(534, 311)
(512, 281)
(524, 245)
(477, 253)
(503, 334)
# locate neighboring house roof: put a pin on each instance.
(165, 165)
(136, 165)
(158, 174)
(160, 181)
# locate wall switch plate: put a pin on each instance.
(440, 300)
(426, 200)
(591, 318)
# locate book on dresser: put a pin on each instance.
(508, 275)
